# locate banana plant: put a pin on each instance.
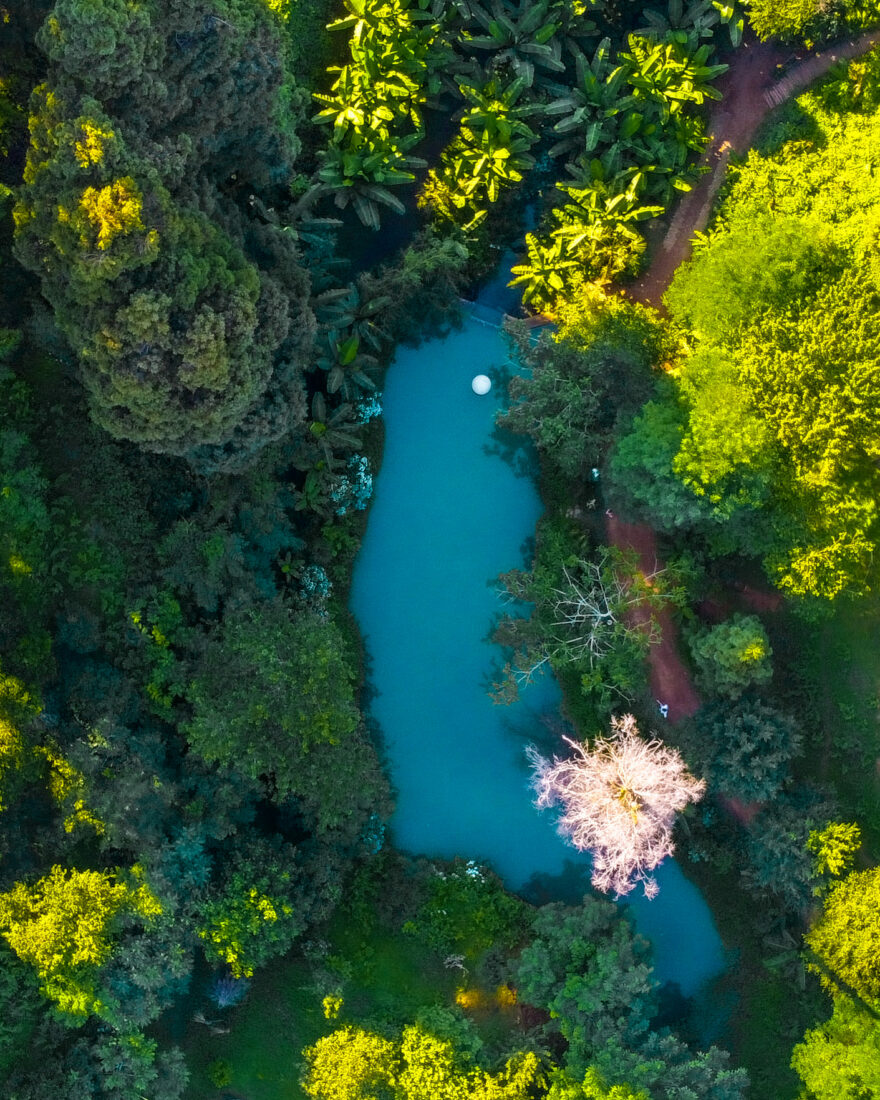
(397, 54)
(398, 34)
(547, 271)
(668, 74)
(695, 21)
(732, 16)
(348, 368)
(342, 312)
(590, 108)
(361, 171)
(332, 435)
(491, 150)
(519, 36)
(616, 202)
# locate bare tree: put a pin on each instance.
(619, 801)
(601, 604)
(595, 608)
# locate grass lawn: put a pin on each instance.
(385, 977)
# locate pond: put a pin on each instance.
(449, 514)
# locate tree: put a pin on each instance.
(351, 1064)
(21, 1008)
(840, 1059)
(257, 911)
(779, 866)
(587, 967)
(580, 382)
(776, 401)
(354, 1064)
(131, 1066)
(467, 911)
(747, 747)
(783, 18)
(760, 266)
(268, 689)
(564, 1087)
(732, 656)
(619, 799)
(63, 925)
(189, 317)
(846, 938)
(593, 615)
(666, 1069)
(834, 847)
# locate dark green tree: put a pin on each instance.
(268, 689)
(746, 747)
(591, 972)
(162, 285)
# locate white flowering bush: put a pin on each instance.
(354, 488)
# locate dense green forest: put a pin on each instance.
(218, 220)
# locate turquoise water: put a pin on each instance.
(449, 514)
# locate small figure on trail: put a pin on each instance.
(663, 708)
(594, 473)
(609, 513)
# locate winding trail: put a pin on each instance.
(749, 94)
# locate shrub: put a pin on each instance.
(732, 656)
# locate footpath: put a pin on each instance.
(750, 91)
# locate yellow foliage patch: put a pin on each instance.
(19, 565)
(113, 209)
(90, 150)
(470, 999)
(12, 754)
(332, 1006)
(279, 8)
(60, 925)
(67, 786)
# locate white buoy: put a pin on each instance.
(481, 384)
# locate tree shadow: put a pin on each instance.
(571, 885)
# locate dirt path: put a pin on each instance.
(749, 94)
(670, 679)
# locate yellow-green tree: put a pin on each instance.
(565, 1087)
(355, 1064)
(846, 939)
(64, 926)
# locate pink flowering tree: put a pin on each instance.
(619, 800)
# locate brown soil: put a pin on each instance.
(744, 812)
(670, 679)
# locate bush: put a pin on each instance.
(746, 748)
(732, 656)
